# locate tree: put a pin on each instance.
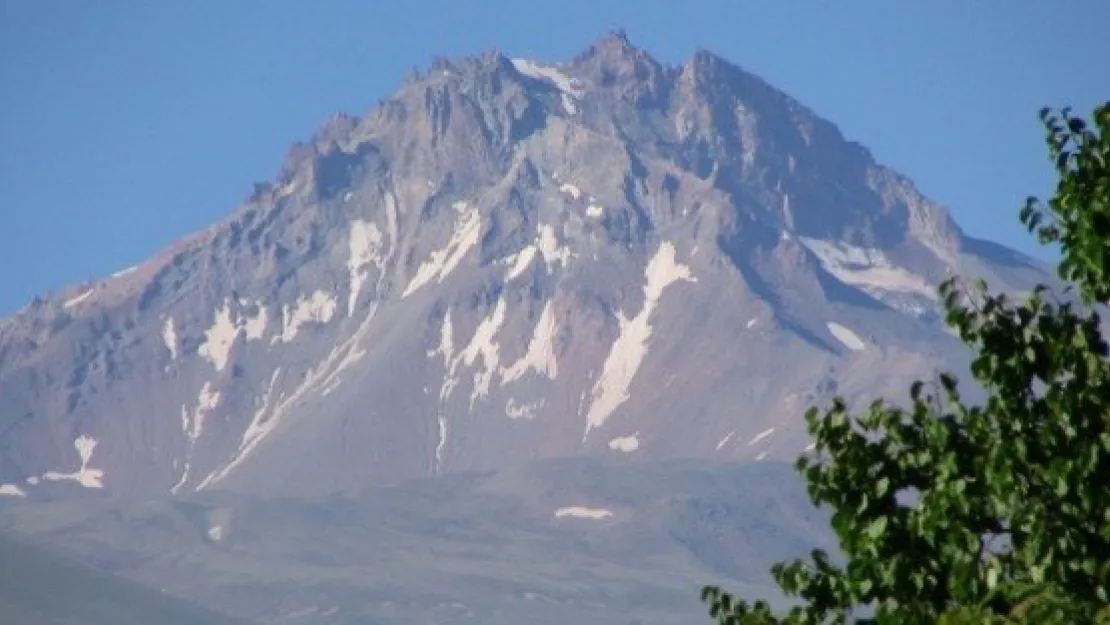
(1000, 512)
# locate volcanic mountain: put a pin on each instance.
(503, 261)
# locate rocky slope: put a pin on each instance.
(502, 261)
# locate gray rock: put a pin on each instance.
(504, 260)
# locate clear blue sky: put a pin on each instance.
(129, 123)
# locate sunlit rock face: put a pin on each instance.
(504, 260)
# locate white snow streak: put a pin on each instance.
(440, 264)
(446, 346)
(446, 349)
(521, 262)
(850, 339)
(540, 356)
(207, 400)
(762, 435)
(316, 308)
(192, 424)
(484, 345)
(169, 337)
(442, 443)
(582, 512)
(73, 301)
(364, 247)
(724, 441)
(546, 244)
(630, 348)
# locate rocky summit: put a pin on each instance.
(505, 260)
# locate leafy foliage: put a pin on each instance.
(997, 513)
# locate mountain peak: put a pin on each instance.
(506, 254)
(615, 62)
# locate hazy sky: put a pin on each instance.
(127, 124)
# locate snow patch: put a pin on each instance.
(550, 249)
(440, 264)
(751, 323)
(225, 329)
(484, 345)
(73, 301)
(627, 444)
(540, 356)
(521, 262)
(287, 189)
(850, 339)
(192, 424)
(628, 351)
(364, 247)
(868, 268)
(568, 103)
(571, 190)
(546, 244)
(446, 349)
(582, 512)
(330, 388)
(548, 73)
(316, 308)
(442, 443)
(724, 441)
(169, 337)
(11, 490)
(255, 327)
(569, 87)
(123, 272)
(257, 428)
(207, 401)
(219, 338)
(514, 410)
(446, 346)
(89, 478)
(762, 435)
(319, 377)
(594, 210)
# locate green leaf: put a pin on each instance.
(1028, 464)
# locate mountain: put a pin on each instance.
(33, 579)
(527, 337)
(504, 260)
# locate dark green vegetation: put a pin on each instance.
(996, 513)
(39, 588)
